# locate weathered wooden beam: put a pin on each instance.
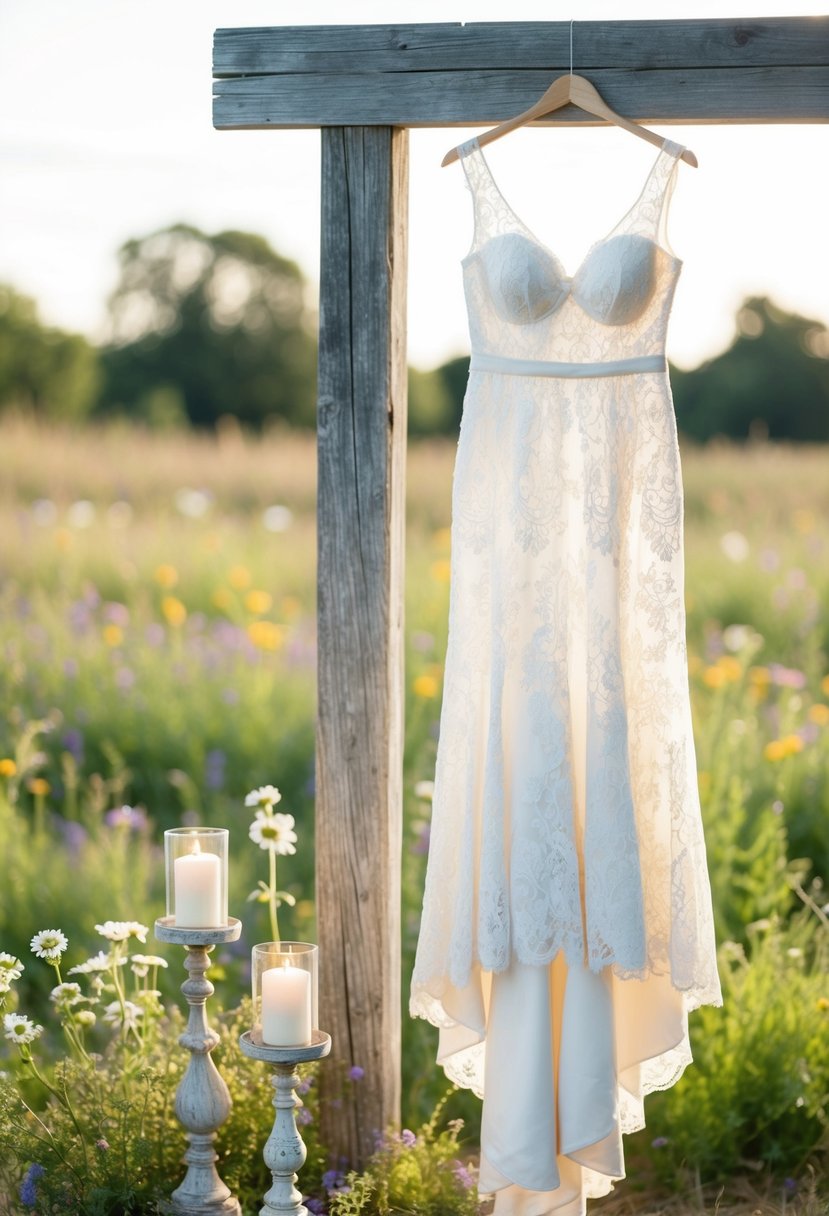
(770, 70)
(360, 511)
(441, 99)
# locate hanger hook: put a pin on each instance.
(572, 23)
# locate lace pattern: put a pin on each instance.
(566, 816)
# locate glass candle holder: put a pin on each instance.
(284, 982)
(196, 867)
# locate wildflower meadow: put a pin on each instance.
(157, 630)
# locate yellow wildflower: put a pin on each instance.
(64, 539)
(266, 635)
(239, 577)
(174, 611)
(759, 682)
(819, 714)
(166, 575)
(113, 635)
(774, 750)
(731, 667)
(440, 570)
(792, 744)
(8, 768)
(39, 786)
(714, 676)
(823, 1003)
(425, 686)
(442, 538)
(258, 602)
(804, 521)
(824, 686)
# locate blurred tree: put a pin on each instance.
(202, 326)
(772, 382)
(54, 373)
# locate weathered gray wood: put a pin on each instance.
(771, 70)
(777, 41)
(429, 99)
(361, 446)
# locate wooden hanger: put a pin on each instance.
(580, 92)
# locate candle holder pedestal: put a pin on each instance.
(285, 1150)
(202, 1099)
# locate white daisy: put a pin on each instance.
(274, 832)
(20, 1029)
(84, 1017)
(122, 930)
(149, 960)
(266, 797)
(66, 994)
(129, 1018)
(425, 790)
(140, 964)
(5, 982)
(49, 944)
(10, 966)
(98, 962)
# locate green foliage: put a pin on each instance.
(170, 741)
(208, 325)
(411, 1174)
(772, 382)
(54, 374)
(757, 1094)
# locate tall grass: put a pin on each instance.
(157, 617)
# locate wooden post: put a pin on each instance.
(361, 501)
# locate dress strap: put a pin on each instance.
(648, 214)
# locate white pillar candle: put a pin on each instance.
(286, 1007)
(198, 890)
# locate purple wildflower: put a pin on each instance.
(463, 1176)
(28, 1187)
(74, 834)
(790, 1186)
(154, 633)
(786, 677)
(356, 1073)
(73, 742)
(102, 1145)
(214, 768)
(407, 1138)
(70, 668)
(116, 614)
(304, 1085)
(132, 817)
(304, 1116)
(332, 1180)
(314, 1205)
(660, 1142)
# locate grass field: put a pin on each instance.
(158, 650)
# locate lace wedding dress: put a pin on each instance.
(567, 926)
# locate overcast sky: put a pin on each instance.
(105, 134)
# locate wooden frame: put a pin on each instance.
(361, 84)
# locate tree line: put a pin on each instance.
(202, 326)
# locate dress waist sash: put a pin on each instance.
(544, 367)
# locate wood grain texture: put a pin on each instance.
(361, 452)
(769, 41)
(429, 99)
(759, 70)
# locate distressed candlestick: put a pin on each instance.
(202, 1099)
(285, 1150)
